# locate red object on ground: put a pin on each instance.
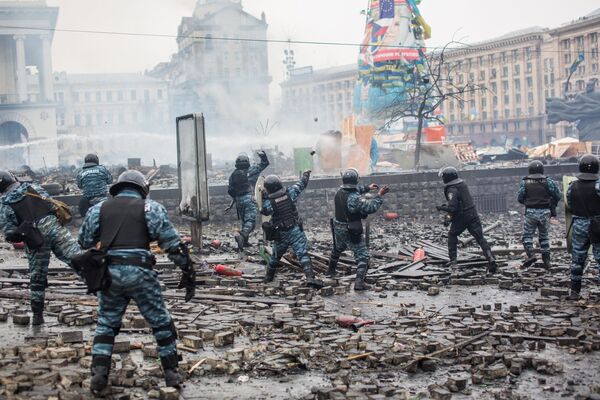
(418, 255)
(216, 243)
(227, 271)
(390, 216)
(348, 321)
(19, 245)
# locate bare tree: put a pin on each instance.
(429, 88)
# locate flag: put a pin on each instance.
(579, 60)
(386, 9)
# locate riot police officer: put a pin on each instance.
(462, 216)
(241, 189)
(25, 217)
(583, 199)
(350, 209)
(540, 195)
(124, 226)
(93, 179)
(285, 227)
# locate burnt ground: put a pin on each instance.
(434, 334)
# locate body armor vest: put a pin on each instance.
(584, 200)
(537, 194)
(31, 209)
(285, 214)
(238, 183)
(342, 214)
(128, 213)
(465, 201)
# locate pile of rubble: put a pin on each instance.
(423, 331)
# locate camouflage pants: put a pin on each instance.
(247, 211)
(140, 285)
(57, 240)
(343, 242)
(580, 246)
(296, 239)
(536, 219)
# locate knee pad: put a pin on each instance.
(166, 328)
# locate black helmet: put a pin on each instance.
(536, 168)
(273, 184)
(588, 168)
(90, 160)
(6, 179)
(449, 175)
(131, 179)
(242, 162)
(350, 178)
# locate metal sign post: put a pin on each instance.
(193, 173)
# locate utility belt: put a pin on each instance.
(544, 207)
(273, 231)
(137, 261)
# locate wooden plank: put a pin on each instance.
(238, 299)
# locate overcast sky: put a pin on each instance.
(320, 20)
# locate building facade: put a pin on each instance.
(221, 67)
(28, 131)
(519, 71)
(113, 115)
(318, 100)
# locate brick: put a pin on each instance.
(193, 341)
(71, 336)
(122, 346)
(20, 319)
(224, 339)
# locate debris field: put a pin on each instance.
(421, 332)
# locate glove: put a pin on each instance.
(15, 237)
(188, 277)
(384, 190)
(373, 186)
(188, 281)
(307, 173)
(262, 155)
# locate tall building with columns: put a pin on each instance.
(28, 130)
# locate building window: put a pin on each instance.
(529, 82)
(529, 68)
(60, 98)
(567, 58)
(517, 69)
(495, 101)
(515, 55)
(60, 119)
(494, 87)
(518, 98)
(493, 73)
(517, 85)
(483, 102)
(495, 115)
(481, 62)
(76, 97)
(530, 97)
(517, 126)
(528, 53)
(146, 95)
(109, 96)
(133, 95)
(566, 44)
(579, 42)
(594, 37)
(482, 75)
(506, 113)
(88, 97)
(505, 126)
(506, 99)
(77, 120)
(481, 128)
(504, 71)
(484, 115)
(529, 124)
(492, 59)
(518, 112)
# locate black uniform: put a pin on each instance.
(463, 214)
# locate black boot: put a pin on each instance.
(575, 291)
(240, 239)
(492, 266)
(311, 281)
(331, 267)
(270, 275)
(359, 282)
(531, 259)
(451, 265)
(38, 313)
(100, 370)
(546, 259)
(169, 365)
